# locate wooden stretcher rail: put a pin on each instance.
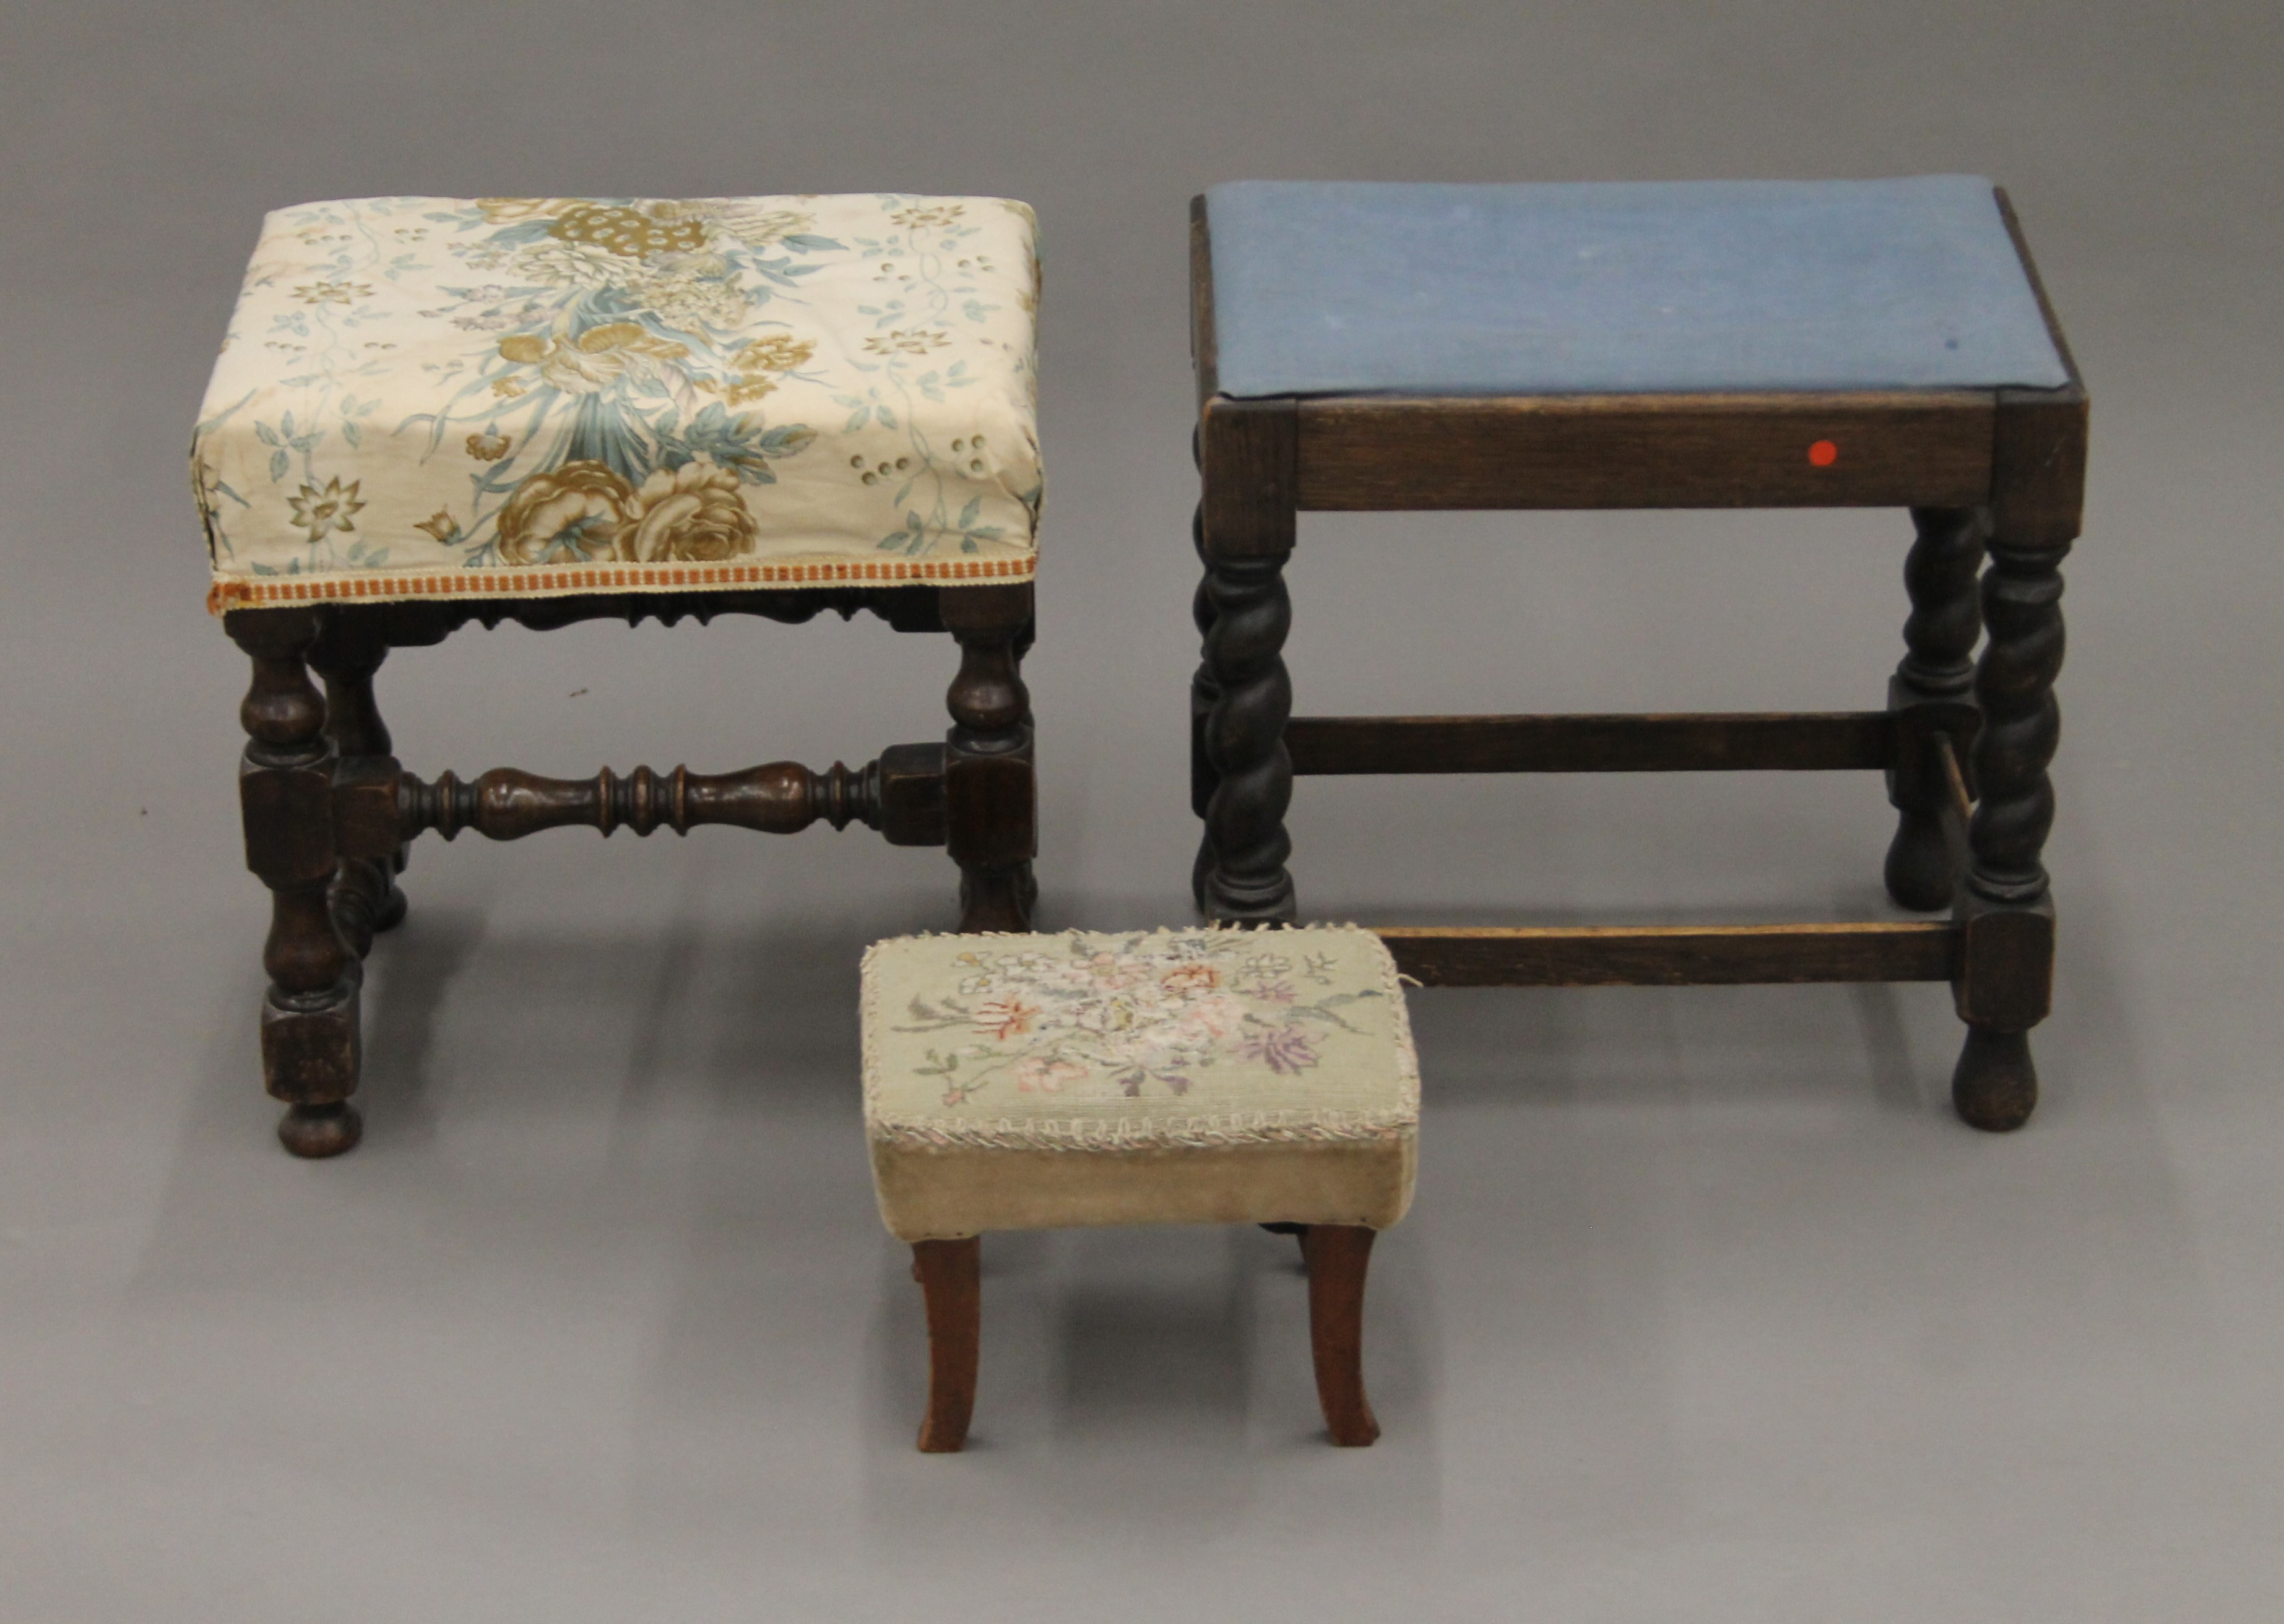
(377, 806)
(1673, 955)
(1799, 741)
(1923, 448)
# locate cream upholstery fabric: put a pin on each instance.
(522, 396)
(1195, 1077)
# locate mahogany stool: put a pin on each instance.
(430, 412)
(1192, 1076)
(1715, 344)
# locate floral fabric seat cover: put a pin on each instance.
(1188, 1076)
(441, 398)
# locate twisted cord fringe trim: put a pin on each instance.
(1085, 1135)
(1150, 1133)
(388, 586)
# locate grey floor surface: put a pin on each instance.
(1708, 1310)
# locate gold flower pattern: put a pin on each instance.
(927, 216)
(573, 514)
(691, 513)
(597, 359)
(321, 512)
(635, 232)
(757, 365)
(635, 381)
(584, 511)
(777, 353)
(331, 293)
(913, 341)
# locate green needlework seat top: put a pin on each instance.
(1090, 1041)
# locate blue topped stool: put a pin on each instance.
(1367, 347)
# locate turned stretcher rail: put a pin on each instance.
(505, 804)
(1675, 955)
(378, 806)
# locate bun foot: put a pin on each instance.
(1995, 1087)
(313, 1132)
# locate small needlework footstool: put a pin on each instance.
(434, 411)
(1195, 1076)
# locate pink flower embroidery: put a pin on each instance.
(1005, 1018)
(1108, 970)
(1037, 1075)
(1144, 1018)
(1201, 1020)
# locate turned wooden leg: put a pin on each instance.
(2006, 908)
(990, 792)
(1337, 1255)
(1247, 526)
(2004, 981)
(950, 1284)
(1203, 692)
(310, 1039)
(1932, 694)
(1245, 880)
(365, 897)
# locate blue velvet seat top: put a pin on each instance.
(1369, 288)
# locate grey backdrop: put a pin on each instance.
(1708, 1311)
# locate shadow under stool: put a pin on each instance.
(435, 411)
(1368, 346)
(1189, 1076)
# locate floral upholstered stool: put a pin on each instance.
(1195, 1076)
(435, 410)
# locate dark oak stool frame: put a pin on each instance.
(329, 812)
(1994, 480)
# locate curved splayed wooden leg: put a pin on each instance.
(950, 1273)
(1932, 690)
(1337, 1256)
(310, 1051)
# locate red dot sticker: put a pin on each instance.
(1823, 454)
